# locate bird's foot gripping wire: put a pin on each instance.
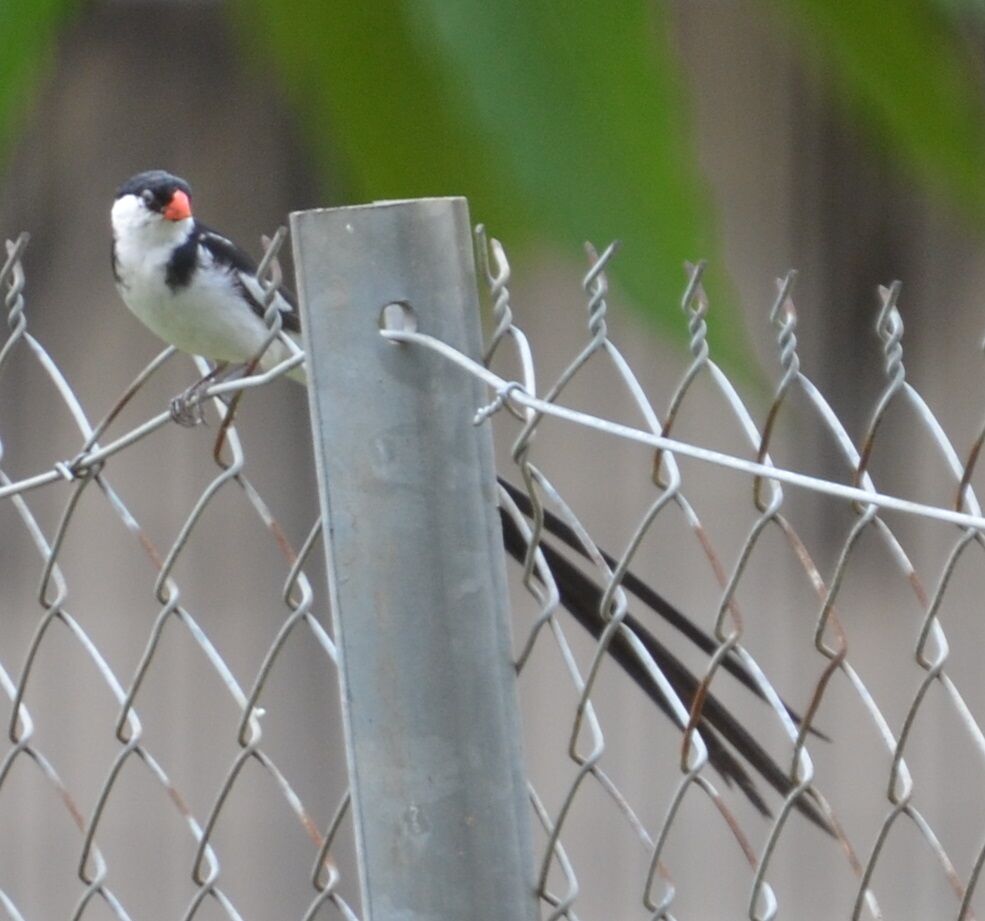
(186, 408)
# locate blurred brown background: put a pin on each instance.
(793, 178)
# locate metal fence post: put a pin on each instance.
(416, 566)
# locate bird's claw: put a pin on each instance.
(186, 408)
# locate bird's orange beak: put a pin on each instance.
(179, 207)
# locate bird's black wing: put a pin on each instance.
(228, 254)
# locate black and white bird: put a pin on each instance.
(191, 286)
(198, 291)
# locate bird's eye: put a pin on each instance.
(148, 196)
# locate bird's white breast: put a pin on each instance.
(208, 316)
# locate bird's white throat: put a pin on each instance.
(143, 235)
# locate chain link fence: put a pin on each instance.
(58, 810)
(796, 736)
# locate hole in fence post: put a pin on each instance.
(398, 316)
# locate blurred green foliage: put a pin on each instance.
(903, 69)
(26, 30)
(564, 121)
(559, 121)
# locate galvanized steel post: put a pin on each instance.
(416, 565)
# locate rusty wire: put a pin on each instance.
(830, 638)
(88, 470)
(533, 406)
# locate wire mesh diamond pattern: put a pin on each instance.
(130, 742)
(688, 699)
(806, 739)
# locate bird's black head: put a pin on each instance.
(157, 189)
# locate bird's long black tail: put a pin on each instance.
(729, 743)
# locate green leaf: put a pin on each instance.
(27, 28)
(900, 68)
(559, 121)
